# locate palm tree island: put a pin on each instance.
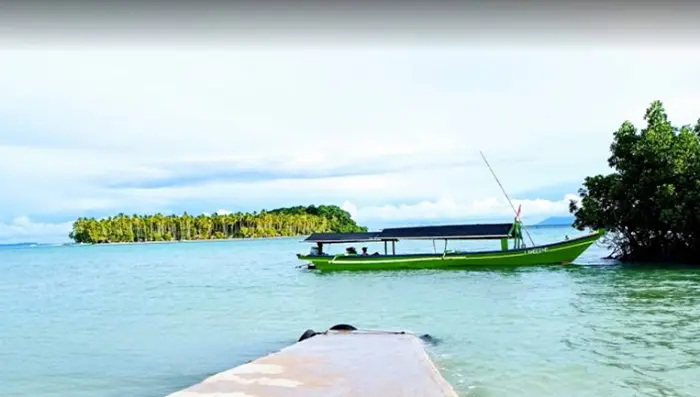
(289, 221)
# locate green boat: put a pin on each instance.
(563, 252)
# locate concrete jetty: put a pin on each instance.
(342, 361)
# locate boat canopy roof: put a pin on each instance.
(440, 232)
(344, 237)
(450, 232)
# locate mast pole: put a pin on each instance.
(505, 194)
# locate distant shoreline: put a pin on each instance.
(279, 222)
(71, 243)
(536, 226)
(186, 241)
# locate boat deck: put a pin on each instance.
(334, 363)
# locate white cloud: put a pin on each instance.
(76, 120)
(164, 103)
(23, 229)
(449, 208)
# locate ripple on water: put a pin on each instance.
(150, 319)
(643, 325)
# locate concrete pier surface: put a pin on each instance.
(339, 362)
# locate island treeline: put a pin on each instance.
(291, 221)
(651, 202)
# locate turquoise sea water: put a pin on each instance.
(146, 320)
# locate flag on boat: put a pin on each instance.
(517, 214)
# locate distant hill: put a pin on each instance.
(557, 220)
(17, 245)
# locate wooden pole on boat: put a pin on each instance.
(505, 194)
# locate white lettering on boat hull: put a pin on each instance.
(536, 251)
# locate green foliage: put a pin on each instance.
(294, 221)
(339, 219)
(651, 202)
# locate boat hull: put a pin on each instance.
(551, 254)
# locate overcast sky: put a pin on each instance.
(390, 133)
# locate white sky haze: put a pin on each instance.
(389, 133)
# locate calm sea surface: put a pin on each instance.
(146, 320)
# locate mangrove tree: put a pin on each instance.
(650, 203)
